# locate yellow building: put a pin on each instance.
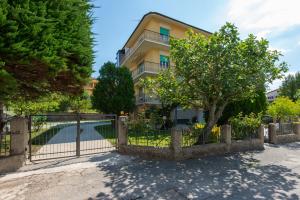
(146, 52)
(90, 86)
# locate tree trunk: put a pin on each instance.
(214, 115)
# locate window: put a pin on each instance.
(164, 33)
(141, 67)
(164, 61)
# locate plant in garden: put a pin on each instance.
(212, 71)
(114, 92)
(283, 108)
(245, 126)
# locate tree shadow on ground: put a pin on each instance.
(233, 176)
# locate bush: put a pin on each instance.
(284, 109)
(245, 126)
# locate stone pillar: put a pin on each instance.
(122, 132)
(261, 135)
(19, 136)
(297, 130)
(176, 141)
(226, 135)
(272, 133)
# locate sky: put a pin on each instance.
(276, 20)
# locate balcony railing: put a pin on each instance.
(145, 99)
(148, 67)
(146, 35)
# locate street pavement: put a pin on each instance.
(270, 174)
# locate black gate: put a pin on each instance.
(57, 136)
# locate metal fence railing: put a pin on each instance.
(191, 137)
(5, 140)
(154, 138)
(243, 132)
(284, 128)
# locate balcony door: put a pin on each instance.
(164, 62)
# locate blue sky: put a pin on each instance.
(276, 20)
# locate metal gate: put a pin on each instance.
(56, 136)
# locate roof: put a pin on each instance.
(162, 15)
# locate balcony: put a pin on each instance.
(146, 36)
(145, 99)
(148, 68)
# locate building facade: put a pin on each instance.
(146, 52)
(272, 95)
(91, 86)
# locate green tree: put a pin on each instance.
(283, 108)
(290, 87)
(213, 71)
(114, 92)
(255, 105)
(79, 104)
(42, 105)
(44, 46)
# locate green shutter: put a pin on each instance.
(164, 59)
(164, 31)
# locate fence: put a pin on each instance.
(178, 144)
(5, 139)
(64, 135)
(244, 132)
(284, 133)
(190, 137)
(284, 128)
(155, 138)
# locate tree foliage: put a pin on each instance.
(255, 105)
(44, 46)
(79, 104)
(213, 71)
(291, 87)
(114, 91)
(42, 105)
(283, 108)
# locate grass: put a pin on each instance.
(107, 131)
(156, 138)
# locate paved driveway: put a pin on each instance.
(270, 174)
(64, 142)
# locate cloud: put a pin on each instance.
(281, 50)
(299, 43)
(264, 17)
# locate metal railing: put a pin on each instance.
(148, 67)
(5, 140)
(145, 99)
(284, 128)
(243, 132)
(146, 35)
(191, 137)
(153, 138)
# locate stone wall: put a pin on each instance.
(275, 138)
(177, 152)
(19, 145)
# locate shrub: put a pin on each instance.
(245, 126)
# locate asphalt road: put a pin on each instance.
(270, 174)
